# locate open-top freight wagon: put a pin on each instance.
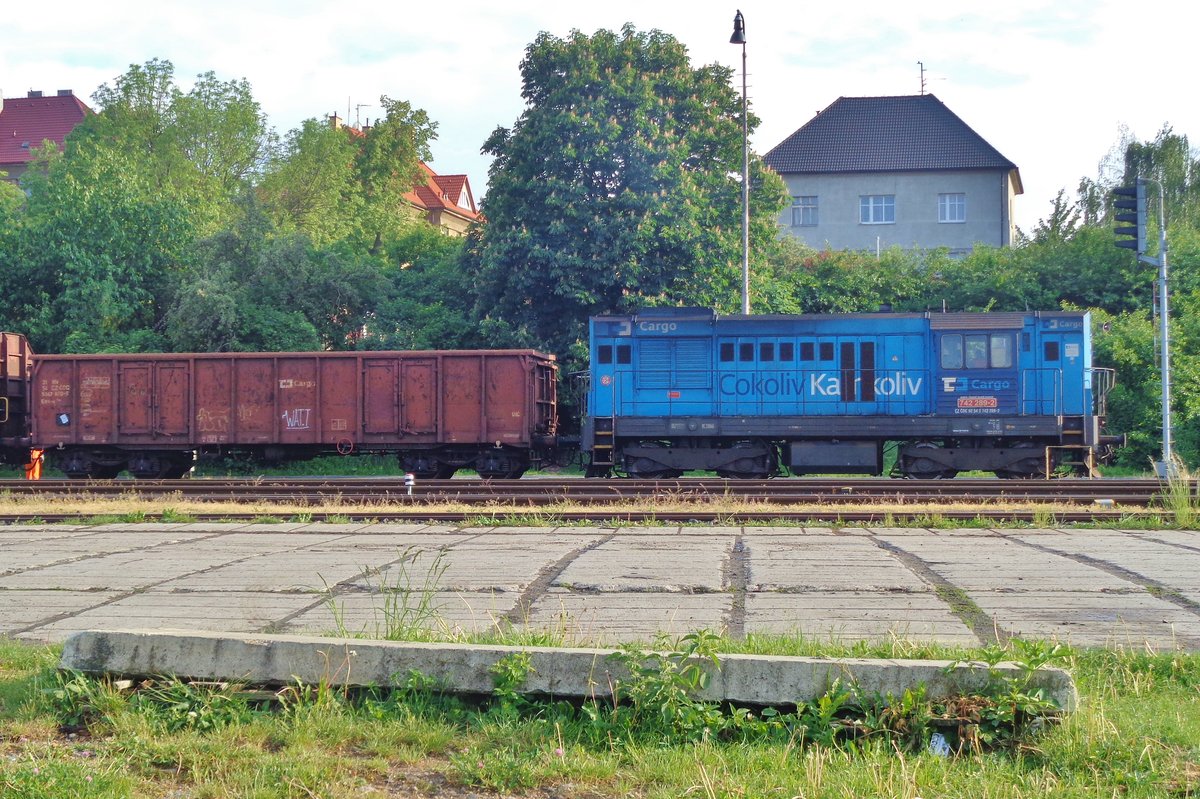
(494, 411)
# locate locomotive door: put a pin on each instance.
(1062, 359)
(856, 364)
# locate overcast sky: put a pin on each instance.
(1042, 82)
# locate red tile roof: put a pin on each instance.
(25, 122)
(442, 192)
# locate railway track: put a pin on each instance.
(543, 492)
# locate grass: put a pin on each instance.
(1137, 734)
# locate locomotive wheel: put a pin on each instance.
(918, 468)
(643, 468)
(1025, 469)
(755, 466)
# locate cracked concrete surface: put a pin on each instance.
(603, 585)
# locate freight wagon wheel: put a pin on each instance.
(75, 466)
(149, 467)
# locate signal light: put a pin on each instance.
(1127, 199)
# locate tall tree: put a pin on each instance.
(338, 184)
(198, 146)
(617, 187)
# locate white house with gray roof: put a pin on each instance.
(874, 172)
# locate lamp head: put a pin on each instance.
(739, 30)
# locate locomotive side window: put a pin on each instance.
(604, 353)
(808, 352)
(766, 352)
(1024, 342)
(726, 352)
(787, 351)
(826, 350)
(952, 352)
(1051, 350)
(746, 353)
(624, 354)
(975, 352)
(1002, 354)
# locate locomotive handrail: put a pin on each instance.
(1032, 380)
(1103, 381)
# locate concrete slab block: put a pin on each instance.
(853, 616)
(578, 672)
(224, 611)
(614, 618)
(449, 613)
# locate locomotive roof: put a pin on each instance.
(938, 319)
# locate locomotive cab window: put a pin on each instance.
(1051, 350)
(624, 354)
(977, 351)
(604, 353)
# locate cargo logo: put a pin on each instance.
(820, 384)
(953, 385)
(657, 327)
(289, 383)
(297, 418)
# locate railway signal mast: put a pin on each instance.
(1130, 204)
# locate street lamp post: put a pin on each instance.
(739, 37)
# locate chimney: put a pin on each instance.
(32, 93)
(65, 92)
(335, 121)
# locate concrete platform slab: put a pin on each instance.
(845, 616)
(373, 615)
(612, 618)
(741, 679)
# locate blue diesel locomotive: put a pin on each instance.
(679, 389)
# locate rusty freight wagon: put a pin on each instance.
(437, 411)
(16, 363)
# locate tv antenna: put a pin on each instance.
(358, 108)
(921, 64)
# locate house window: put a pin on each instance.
(804, 211)
(952, 207)
(877, 209)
